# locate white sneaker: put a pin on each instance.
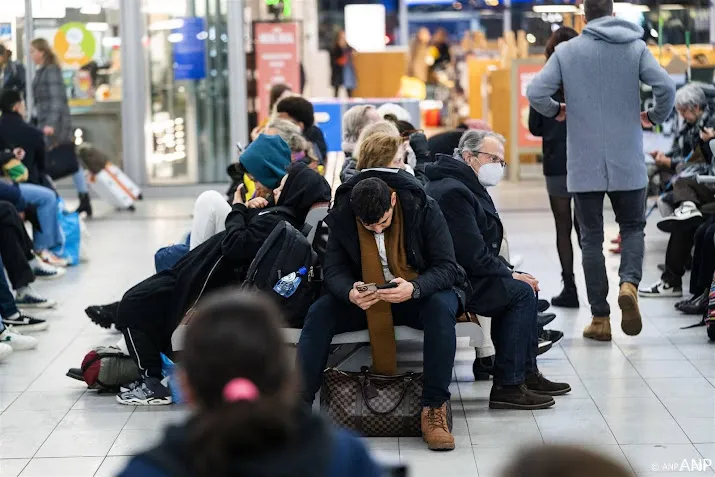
(17, 341)
(27, 297)
(661, 289)
(44, 270)
(685, 217)
(5, 351)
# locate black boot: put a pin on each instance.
(568, 298)
(103, 315)
(698, 305)
(84, 205)
(517, 397)
(483, 368)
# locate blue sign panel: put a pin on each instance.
(329, 118)
(189, 49)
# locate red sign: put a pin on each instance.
(524, 74)
(277, 60)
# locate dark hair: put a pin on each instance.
(2, 49)
(8, 99)
(559, 36)
(237, 335)
(405, 128)
(276, 91)
(298, 108)
(370, 200)
(563, 461)
(595, 9)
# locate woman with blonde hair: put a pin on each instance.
(52, 113)
(379, 127)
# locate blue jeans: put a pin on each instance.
(8, 307)
(515, 330)
(435, 314)
(45, 200)
(80, 182)
(629, 207)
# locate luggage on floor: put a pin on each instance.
(106, 186)
(375, 405)
(124, 181)
(107, 368)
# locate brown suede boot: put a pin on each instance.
(631, 323)
(599, 329)
(435, 431)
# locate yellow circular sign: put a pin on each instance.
(74, 45)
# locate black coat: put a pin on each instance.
(445, 142)
(428, 244)
(553, 133)
(15, 132)
(474, 224)
(315, 135)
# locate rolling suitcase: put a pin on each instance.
(111, 190)
(124, 181)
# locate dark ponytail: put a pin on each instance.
(237, 335)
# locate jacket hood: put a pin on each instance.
(613, 30)
(303, 188)
(304, 456)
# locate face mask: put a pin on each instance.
(490, 174)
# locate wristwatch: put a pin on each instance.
(416, 292)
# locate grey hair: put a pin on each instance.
(690, 96)
(290, 132)
(473, 139)
(354, 121)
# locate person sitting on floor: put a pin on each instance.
(384, 229)
(149, 313)
(355, 120)
(458, 183)
(247, 418)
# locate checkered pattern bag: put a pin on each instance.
(375, 405)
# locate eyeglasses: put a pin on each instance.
(493, 158)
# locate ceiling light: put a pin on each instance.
(555, 9)
(90, 9)
(97, 26)
(671, 6)
(531, 38)
(653, 33)
(622, 7)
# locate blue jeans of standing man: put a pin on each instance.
(515, 330)
(629, 207)
(45, 200)
(435, 314)
(80, 182)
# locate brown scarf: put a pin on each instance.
(379, 315)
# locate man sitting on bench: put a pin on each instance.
(385, 230)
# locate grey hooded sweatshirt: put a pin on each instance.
(600, 72)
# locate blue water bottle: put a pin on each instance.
(287, 285)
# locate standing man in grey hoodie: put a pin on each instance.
(600, 73)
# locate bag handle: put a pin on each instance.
(364, 380)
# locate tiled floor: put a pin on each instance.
(647, 400)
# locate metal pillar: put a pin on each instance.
(404, 23)
(134, 90)
(29, 64)
(238, 101)
(712, 23)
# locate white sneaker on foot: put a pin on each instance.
(661, 289)
(5, 351)
(27, 297)
(44, 270)
(686, 216)
(17, 341)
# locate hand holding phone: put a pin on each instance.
(363, 295)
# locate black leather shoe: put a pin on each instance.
(697, 306)
(544, 319)
(483, 368)
(85, 205)
(551, 335)
(517, 397)
(536, 382)
(543, 305)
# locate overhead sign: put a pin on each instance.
(74, 45)
(189, 49)
(277, 59)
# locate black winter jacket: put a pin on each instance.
(553, 133)
(473, 222)
(15, 132)
(428, 244)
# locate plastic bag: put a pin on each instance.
(71, 232)
(168, 369)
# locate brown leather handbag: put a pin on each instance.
(375, 405)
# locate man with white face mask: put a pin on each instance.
(458, 183)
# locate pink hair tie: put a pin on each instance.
(240, 389)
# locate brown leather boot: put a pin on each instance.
(435, 431)
(631, 323)
(599, 329)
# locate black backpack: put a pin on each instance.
(286, 250)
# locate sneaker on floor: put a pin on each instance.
(517, 397)
(16, 340)
(661, 289)
(25, 324)
(52, 259)
(544, 346)
(29, 298)
(151, 392)
(44, 270)
(103, 315)
(435, 429)
(631, 320)
(551, 335)
(697, 305)
(685, 217)
(5, 351)
(537, 383)
(599, 329)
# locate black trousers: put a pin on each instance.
(677, 255)
(688, 189)
(15, 247)
(701, 275)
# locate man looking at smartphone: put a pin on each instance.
(384, 229)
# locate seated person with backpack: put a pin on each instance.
(458, 183)
(247, 418)
(149, 313)
(384, 230)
